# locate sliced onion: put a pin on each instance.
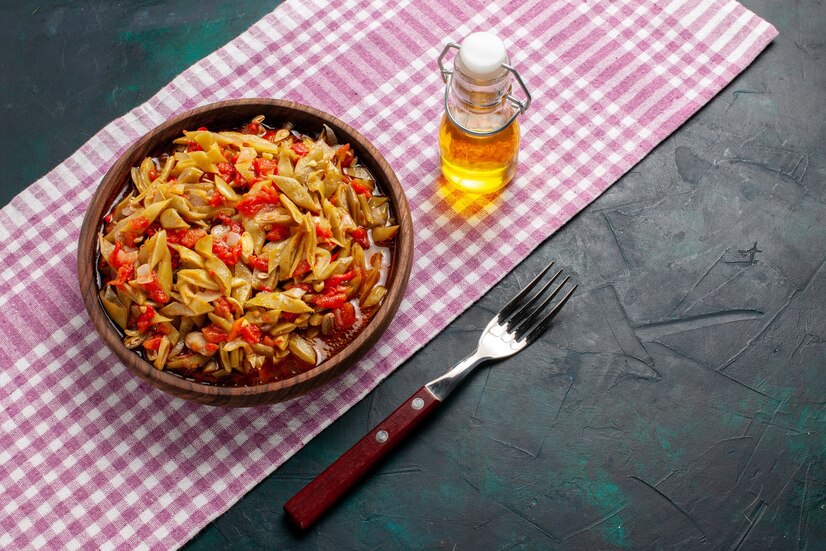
(196, 342)
(143, 274)
(219, 231)
(177, 349)
(127, 257)
(347, 222)
(196, 200)
(233, 238)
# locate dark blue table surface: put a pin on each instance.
(677, 403)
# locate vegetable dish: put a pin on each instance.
(248, 256)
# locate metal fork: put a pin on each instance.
(519, 323)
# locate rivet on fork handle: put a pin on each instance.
(327, 488)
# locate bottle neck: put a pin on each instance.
(479, 95)
(479, 105)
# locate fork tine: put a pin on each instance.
(542, 325)
(530, 307)
(516, 301)
(530, 315)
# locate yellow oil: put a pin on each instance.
(478, 164)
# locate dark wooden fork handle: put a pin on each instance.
(305, 507)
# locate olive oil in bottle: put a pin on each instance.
(478, 164)
(479, 133)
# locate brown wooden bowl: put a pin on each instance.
(233, 114)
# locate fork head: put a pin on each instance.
(522, 320)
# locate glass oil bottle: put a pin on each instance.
(479, 133)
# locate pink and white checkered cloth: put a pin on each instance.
(92, 458)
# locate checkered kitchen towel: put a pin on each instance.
(92, 458)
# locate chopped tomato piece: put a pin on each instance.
(192, 145)
(236, 329)
(113, 258)
(344, 156)
(216, 200)
(239, 182)
(251, 128)
(222, 307)
(361, 187)
(269, 135)
(185, 237)
(279, 233)
(338, 279)
(153, 288)
(153, 342)
(144, 320)
(332, 300)
(263, 167)
(345, 316)
(302, 268)
(260, 263)
(228, 255)
(152, 229)
(226, 170)
(234, 225)
(323, 229)
(336, 290)
(250, 204)
(288, 316)
(251, 333)
(229, 154)
(300, 149)
(139, 224)
(153, 174)
(210, 348)
(360, 236)
(175, 258)
(268, 341)
(126, 271)
(214, 334)
(135, 229)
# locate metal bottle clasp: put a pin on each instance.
(521, 106)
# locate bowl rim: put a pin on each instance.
(116, 180)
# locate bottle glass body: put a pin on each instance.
(479, 164)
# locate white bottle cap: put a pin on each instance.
(482, 55)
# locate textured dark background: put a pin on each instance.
(679, 401)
